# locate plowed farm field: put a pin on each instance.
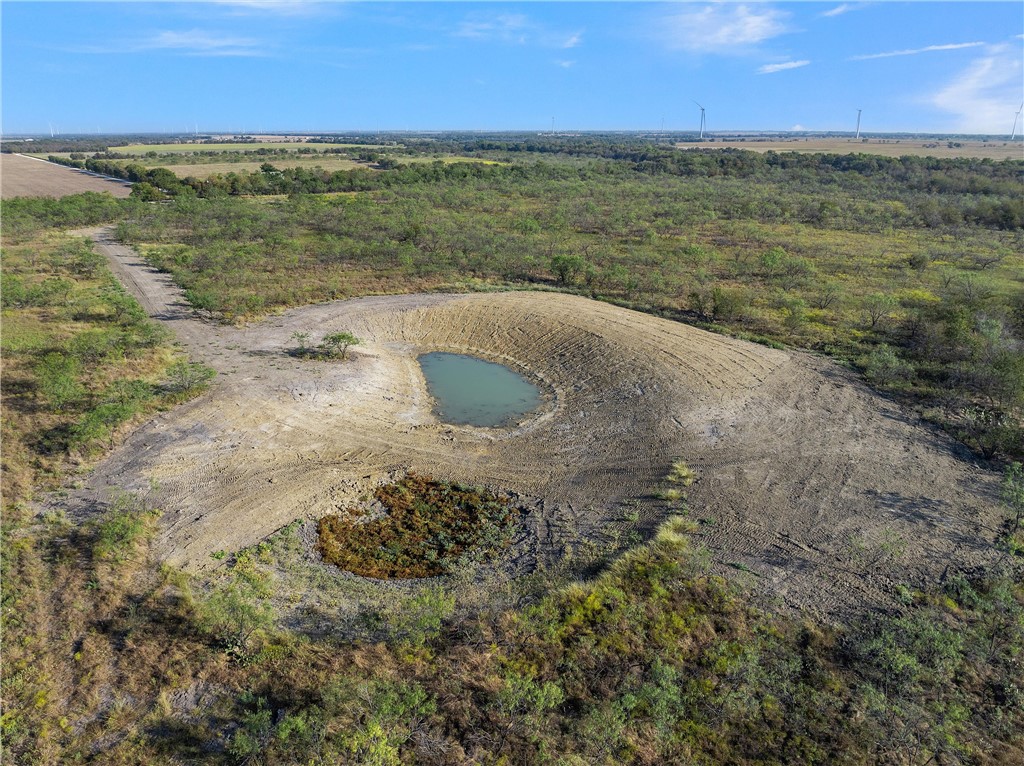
(22, 176)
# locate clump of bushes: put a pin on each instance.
(425, 527)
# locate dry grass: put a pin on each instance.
(205, 170)
(888, 147)
(329, 163)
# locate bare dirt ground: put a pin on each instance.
(22, 176)
(888, 147)
(818, 491)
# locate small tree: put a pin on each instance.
(772, 261)
(567, 267)
(878, 307)
(188, 376)
(233, 613)
(336, 344)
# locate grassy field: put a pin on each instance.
(205, 170)
(996, 150)
(446, 159)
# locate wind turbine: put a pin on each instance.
(701, 121)
(858, 124)
(1016, 117)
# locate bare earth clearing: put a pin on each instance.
(889, 147)
(824, 491)
(27, 177)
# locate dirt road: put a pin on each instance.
(820, 492)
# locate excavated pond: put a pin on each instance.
(824, 491)
(474, 392)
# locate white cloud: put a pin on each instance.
(199, 43)
(985, 95)
(194, 42)
(797, 128)
(772, 68)
(283, 7)
(723, 28)
(564, 63)
(506, 27)
(839, 10)
(515, 29)
(915, 51)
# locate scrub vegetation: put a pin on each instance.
(910, 270)
(81, 359)
(907, 268)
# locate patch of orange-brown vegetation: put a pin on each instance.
(425, 526)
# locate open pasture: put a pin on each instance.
(888, 147)
(206, 169)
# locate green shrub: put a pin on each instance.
(232, 613)
(189, 377)
(101, 423)
(419, 619)
(121, 528)
(57, 380)
(337, 344)
(884, 366)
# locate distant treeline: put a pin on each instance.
(933, 192)
(41, 145)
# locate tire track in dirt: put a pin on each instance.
(818, 491)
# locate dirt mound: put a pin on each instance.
(819, 490)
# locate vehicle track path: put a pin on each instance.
(818, 491)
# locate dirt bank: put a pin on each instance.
(820, 491)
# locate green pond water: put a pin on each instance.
(470, 391)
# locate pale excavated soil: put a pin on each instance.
(824, 491)
(22, 176)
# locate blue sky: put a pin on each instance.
(250, 65)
